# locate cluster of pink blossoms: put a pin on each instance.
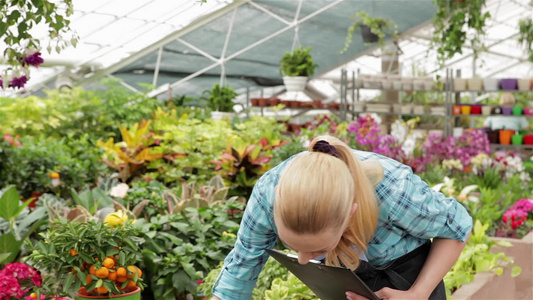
(16, 279)
(518, 213)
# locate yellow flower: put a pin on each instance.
(116, 218)
(54, 175)
(225, 233)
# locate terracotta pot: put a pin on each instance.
(318, 104)
(274, 102)
(505, 136)
(263, 102)
(531, 84)
(294, 104)
(296, 127)
(255, 101)
(334, 105)
(133, 295)
(457, 109)
(506, 233)
(306, 104)
(286, 103)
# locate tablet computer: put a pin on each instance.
(327, 282)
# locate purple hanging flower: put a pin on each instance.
(18, 82)
(33, 60)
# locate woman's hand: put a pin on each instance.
(387, 294)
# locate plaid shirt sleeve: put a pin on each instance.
(257, 231)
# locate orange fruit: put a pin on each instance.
(131, 285)
(112, 276)
(109, 263)
(92, 270)
(103, 272)
(122, 278)
(122, 272)
(102, 290)
(89, 279)
(33, 295)
(133, 270)
(73, 252)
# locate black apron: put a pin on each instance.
(400, 273)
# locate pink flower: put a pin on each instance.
(18, 82)
(9, 287)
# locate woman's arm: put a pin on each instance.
(442, 256)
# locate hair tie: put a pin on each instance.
(325, 147)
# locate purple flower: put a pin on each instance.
(18, 82)
(33, 60)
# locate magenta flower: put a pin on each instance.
(10, 287)
(18, 82)
(33, 60)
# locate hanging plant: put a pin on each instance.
(525, 37)
(22, 48)
(220, 98)
(298, 63)
(373, 29)
(453, 21)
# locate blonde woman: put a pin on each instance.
(358, 209)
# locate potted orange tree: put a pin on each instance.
(92, 260)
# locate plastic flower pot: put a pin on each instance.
(524, 84)
(517, 110)
(528, 111)
(476, 110)
(491, 84)
(518, 139)
(493, 136)
(507, 110)
(509, 84)
(505, 136)
(528, 139)
(465, 109)
(255, 101)
(531, 84)
(133, 295)
(457, 109)
(459, 84)
(368, 35)
(496, 110)
(263, 102)
(485, 110)
(475, 84)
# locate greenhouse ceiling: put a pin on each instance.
(183, 46)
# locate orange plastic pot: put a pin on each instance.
(505, 136)
(457, 109)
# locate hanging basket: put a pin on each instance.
(295, 83)
(368, 35)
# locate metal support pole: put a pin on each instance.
(226, 42)
(157, 65)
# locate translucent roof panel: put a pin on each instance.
(112, 30)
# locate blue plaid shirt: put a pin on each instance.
(410, 213)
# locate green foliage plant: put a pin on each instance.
(20, 224)
(220, 98)
(180, 247)
(525, 37)
(70, 248)
(476, 258)
(378, 26)
(29, 167)
(192, 145)
(298, 63)
(132, 156)
(291, 288)
(453, 22)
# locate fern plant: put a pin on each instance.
(220, 98)
(298, 63)
(378, 26)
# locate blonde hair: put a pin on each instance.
(507, 99)
(316, 191)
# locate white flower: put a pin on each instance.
(399, 131)
(408, 147)
(120, 190)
